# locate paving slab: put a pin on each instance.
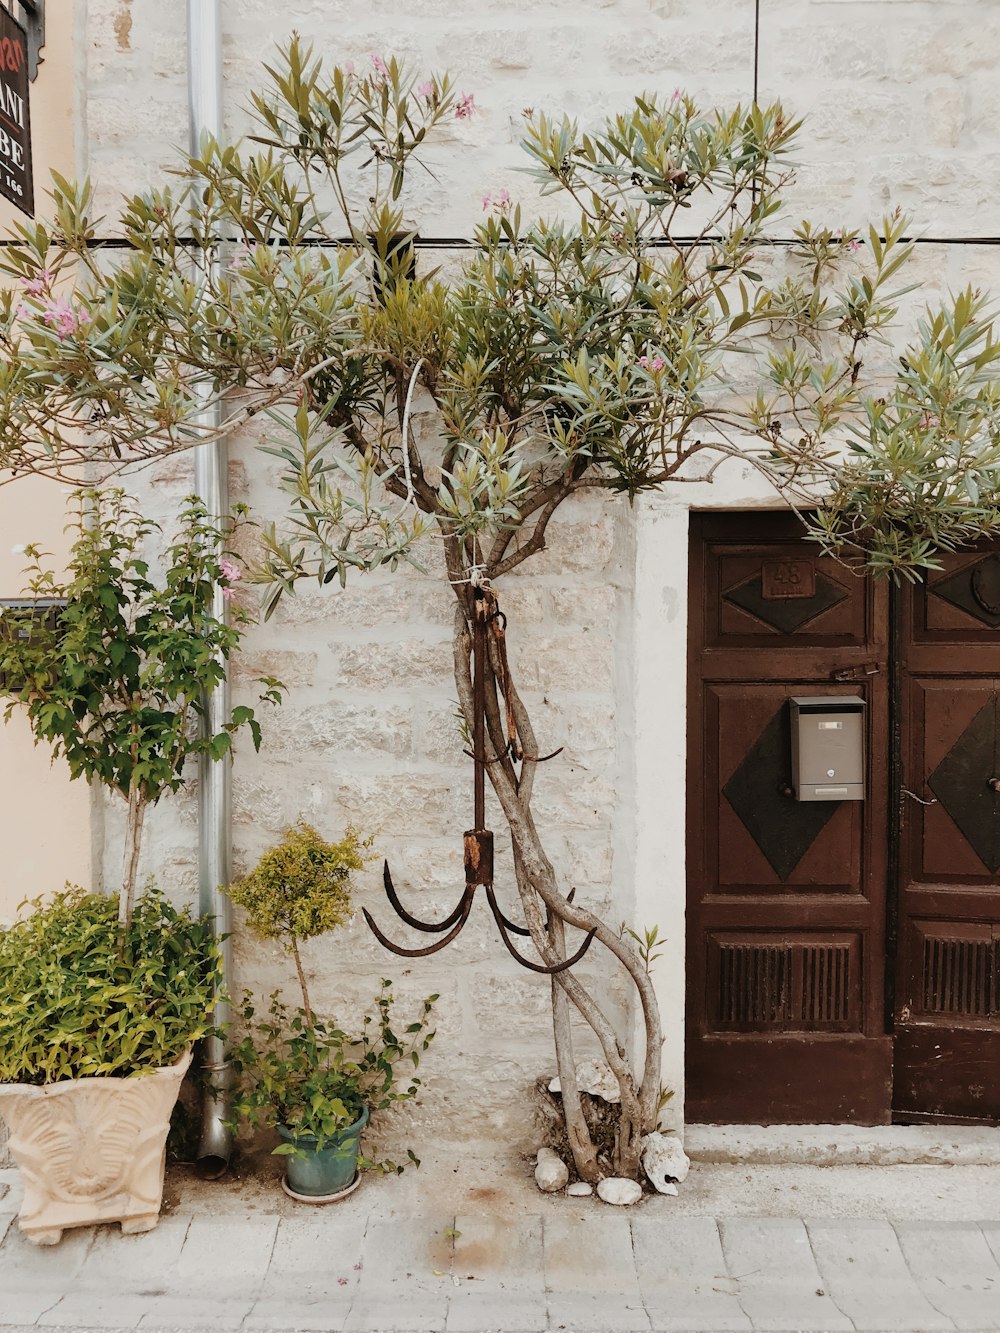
(121, 1277)
(497, 1262)
(683, 1275)
(218, 1274)
(34, 1278)
(955, 1269)
(779, 1284)
(111, 1309)
(405, 1276)
(590, 1272)
(313, 1275)
(865, 1272)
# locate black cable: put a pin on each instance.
(468, 243)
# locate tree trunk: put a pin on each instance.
(537, 886)
(130, 867)
(302, 980)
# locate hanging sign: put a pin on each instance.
(15, 126)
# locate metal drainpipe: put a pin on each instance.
(204, 28)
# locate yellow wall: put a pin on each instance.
(44, 818)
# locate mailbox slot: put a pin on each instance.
(828, 747)
(28, 610)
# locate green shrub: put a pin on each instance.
(78, 999)
(301, 887)
(310, 1076)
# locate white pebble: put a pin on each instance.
(620, 1191)
(551, 1173)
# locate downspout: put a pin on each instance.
(204, 28)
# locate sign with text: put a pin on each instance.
(15, 125)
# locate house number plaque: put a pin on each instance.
(781, 579)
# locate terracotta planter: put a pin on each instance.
(91, 1149)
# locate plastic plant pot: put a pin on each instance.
(325, 1174)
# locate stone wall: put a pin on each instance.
(902, 108)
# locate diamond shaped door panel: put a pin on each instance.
(955, 839)
(766, 839)
(785, 599)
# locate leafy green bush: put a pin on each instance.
(77, 998)
(310, 1076)
(116, 681)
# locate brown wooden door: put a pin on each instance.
(947, 995)
(786, 899)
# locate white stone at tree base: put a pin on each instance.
(551, 1172)
(595, 1078)
(618, 1190)
(580, 1189)
(664, 1160)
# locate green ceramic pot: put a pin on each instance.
(325, 1171)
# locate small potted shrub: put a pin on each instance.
(303, 1075)
(113, 678)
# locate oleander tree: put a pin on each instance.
(638, 334)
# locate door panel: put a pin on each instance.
(786, 899)
(947, 994)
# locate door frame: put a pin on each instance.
(652, 717)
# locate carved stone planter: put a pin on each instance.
(91, 1149)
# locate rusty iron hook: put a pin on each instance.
(431, 928)
(464, 908)
(526, 962)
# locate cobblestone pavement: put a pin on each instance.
(571, 1265)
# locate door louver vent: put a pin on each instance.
(961, 974)
(786, 985)
(826, 989)
(754, 984)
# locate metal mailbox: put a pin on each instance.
(828, 747)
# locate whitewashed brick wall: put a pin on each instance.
(902, 106)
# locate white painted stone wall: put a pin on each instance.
(903, 107)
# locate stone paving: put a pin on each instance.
(574, 1265)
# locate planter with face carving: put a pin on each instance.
(91, 1149)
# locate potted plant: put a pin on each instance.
(303, 1075)
(113, 677)
(96, 1027)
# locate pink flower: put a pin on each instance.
(64, 318)
(357, 1268)
(230, 570)
(37, 285)
(348, 68)
(675, 96)
(465, 107)
(499, 200)
(240, 255)
(651, 363)
(342, 1281)
(425, 90)
(379, 65)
